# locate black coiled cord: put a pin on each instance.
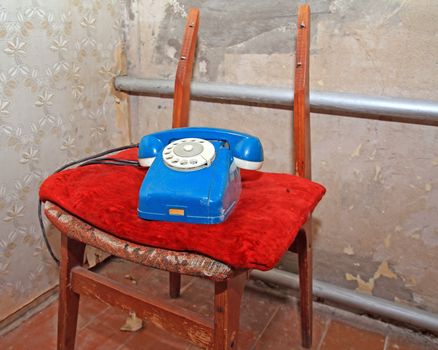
(95, 159)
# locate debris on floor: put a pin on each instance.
(132, 323)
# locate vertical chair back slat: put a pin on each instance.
(181, 101)
(181, 97)
(301, 129)
(75, 280)
(301, 125)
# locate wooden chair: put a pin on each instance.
(229, 283)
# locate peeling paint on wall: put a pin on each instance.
(371, 214)
(387, 241)
(368, 286)
(349, 250)
(356, 152)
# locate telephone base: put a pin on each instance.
(205, 196)
(189, 219)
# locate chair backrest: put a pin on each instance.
(301, 124)
(301, 95)
(181, 96)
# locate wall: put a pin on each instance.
(376, 229)
(57, 62)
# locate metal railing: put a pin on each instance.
(342, 104)
(414, 111)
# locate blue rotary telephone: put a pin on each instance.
(194, 173)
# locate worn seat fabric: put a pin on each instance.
(271, 209)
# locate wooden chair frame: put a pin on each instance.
(75, 280)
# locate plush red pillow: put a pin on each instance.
(270, 211)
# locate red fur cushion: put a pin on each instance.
(265, 222)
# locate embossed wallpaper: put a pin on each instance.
(57, 104)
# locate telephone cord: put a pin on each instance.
(91, 160)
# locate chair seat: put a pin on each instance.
(271, 209)
(169, 260)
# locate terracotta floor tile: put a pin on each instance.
(258, 309)
(284, 331)
(103, 332)
(269, 321)
(89, 309)
(342, 336)
(397, 342)
(40, 331)
(153, 338)
(123, 271)
(47, 320)
(197, 295)
(154, 282)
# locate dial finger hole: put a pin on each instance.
(174, 161)
(183, 162)
(193, 161)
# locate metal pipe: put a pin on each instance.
(376, 306)
(342, 104)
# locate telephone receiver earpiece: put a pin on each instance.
(248, 153)
(247, 150)
(149, 147)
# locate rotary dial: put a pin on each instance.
(189, 154)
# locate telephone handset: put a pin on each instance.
(247, 150)
(194, 173)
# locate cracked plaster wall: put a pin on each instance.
(377, 228)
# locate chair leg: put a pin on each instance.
(174, 284)
(72, 254)
(227, 297)
(304, 250)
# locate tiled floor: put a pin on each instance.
(269, 320)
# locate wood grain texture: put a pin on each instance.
(181, 100)
(163, 259)
(172, 318)
(229, 283)
(305, 270)
(227, 298)
(302, 153)
(301, 125)
(174, 284)
(72, 255)
(181, 97)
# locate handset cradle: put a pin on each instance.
(194, 173)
